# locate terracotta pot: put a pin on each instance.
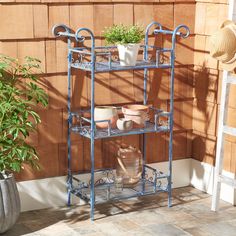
(138, 121)
(105, 113)
(135, 109)
(129, 166)
(137, 113)
(128, 54)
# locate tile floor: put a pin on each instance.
(190, 215)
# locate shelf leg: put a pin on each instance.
(144, 162)
(144, 136)
(92, 190)
(92, 193)
(69, 175)
(68, 194)
(170, 166)
(171, 129)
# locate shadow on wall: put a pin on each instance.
(114, 88)
(204, 118)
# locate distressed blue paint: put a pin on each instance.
(89, 131)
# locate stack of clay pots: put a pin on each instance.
(137, 113)
(134, 116)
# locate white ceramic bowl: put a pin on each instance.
(105, 113)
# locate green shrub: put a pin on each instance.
(121, 34)
(19, 96)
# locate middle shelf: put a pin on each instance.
(159, 122)
(106, 133)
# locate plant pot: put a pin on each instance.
(128, 53)
(105, 113)
(137, 113)
(135, 109)
(9, 203)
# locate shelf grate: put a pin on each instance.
(104, 133)
(115, 66)
(105, 188)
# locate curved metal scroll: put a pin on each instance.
(146, 37)
(80, 38)
(66, 32)
(57, 33)
(177, 32)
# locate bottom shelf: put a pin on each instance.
(107, 189)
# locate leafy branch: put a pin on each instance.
(19, 96)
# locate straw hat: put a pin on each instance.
(223, 45)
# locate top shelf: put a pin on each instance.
(104, 59)
(115, 66)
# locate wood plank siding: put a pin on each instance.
(26, 31)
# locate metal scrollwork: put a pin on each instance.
(145, 52)
(108, 178)
(80, 38)
(182, 35)
(56, 28)
(80, 58)
(177, 32)
(159, 184)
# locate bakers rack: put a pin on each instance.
(101, 187)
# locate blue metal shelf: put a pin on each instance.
(104, 59)
(106, 190)
(156, 126)
(115, 66)
(85, 131)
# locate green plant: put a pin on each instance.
(121, 34)
(19, 95)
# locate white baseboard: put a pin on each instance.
(51, 192)
(202, 176)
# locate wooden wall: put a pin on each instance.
(207, 85)
(26, 31)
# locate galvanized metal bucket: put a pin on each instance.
(9, 203)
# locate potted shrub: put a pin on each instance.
(19, 95)
(127, 39)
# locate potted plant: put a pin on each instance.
(127, 39)
(19, 95)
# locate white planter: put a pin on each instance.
(128, 54)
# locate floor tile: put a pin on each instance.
(143, 216)
(197, 231)
(18, 229)
(220, 228)
(165, 229)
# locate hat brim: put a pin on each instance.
(227, 22)
(228, 67)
